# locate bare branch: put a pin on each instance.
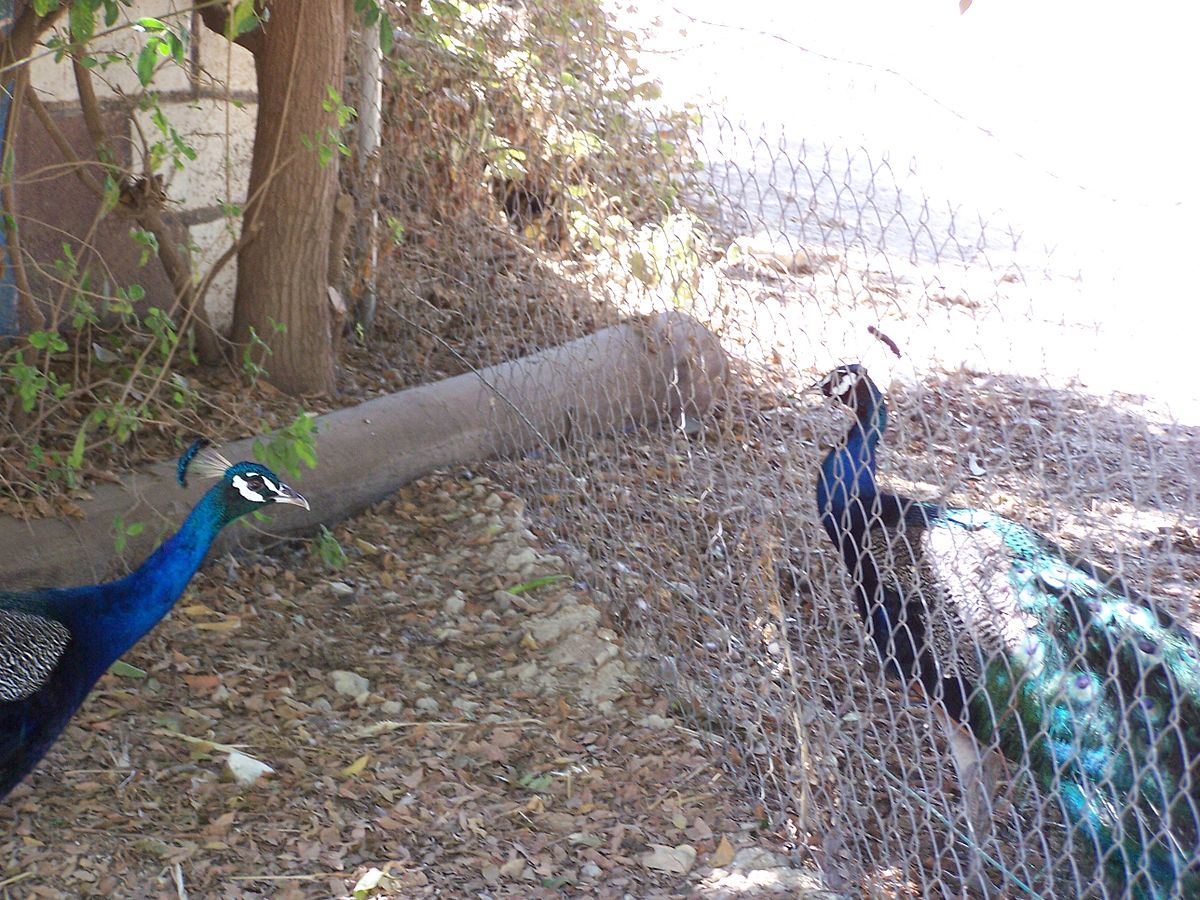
(89, 105)
(26, 31)
(79, 167)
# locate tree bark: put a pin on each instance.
(283, 274)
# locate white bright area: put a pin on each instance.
(1073, 123)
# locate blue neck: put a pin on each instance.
(848, 472)
(120, 612)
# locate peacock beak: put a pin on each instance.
(287, 495)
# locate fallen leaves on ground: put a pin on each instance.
(445, 716)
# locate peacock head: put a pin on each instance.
(244, 486)
(850, 385)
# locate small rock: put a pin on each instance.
(523, 559)
(428, 704)
(675, 860)
(657, 722)
(341, 588)
(590, 870)
(751, 858)
(322, 705)
(514, 867)
(493, 501)
(607, 652)
(391, 707)
(455, 604)
(526, 672)
(463, 705)
(349, 683)
(245, 770)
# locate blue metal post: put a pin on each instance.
(9, 318)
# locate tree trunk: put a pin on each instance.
(283, 272)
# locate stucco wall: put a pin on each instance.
(210, 101)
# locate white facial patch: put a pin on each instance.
(273, 488)
(844, 385)
(245, 490)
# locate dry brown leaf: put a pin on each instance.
(723, 855)
(676, 860)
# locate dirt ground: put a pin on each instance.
(450, 714)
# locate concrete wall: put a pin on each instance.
(210, 101)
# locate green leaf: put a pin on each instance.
(148, 24)
(125, 670)
(75, 459)
(386, 37)
(43, 7)
(82, 18)
(537, 783)
(243, 19)
(146, 62)
(536, 583)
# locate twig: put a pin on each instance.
(64, 146)
(15, 879)
(147, 211)
(224, 748)
(180, 890)
(313, 877)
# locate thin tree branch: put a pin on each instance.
(79, 167)
(90, 106)
(26, 31)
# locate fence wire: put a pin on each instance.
(703, 533)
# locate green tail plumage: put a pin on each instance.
(1101, 701)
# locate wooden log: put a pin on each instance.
(645, 371)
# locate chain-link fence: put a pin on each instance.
(550, 172)
(705, 534)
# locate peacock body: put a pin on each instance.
(1084, 685)
(56, 643)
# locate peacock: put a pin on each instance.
(56, 642)
(1021, 647)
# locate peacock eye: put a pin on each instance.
(255, 481)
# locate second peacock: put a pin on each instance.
(1089, 689)
(55, 643)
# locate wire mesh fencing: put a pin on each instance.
(1014, 391)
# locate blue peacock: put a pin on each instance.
(1023, 648)
(55, 643)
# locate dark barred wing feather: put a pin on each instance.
(30, 648)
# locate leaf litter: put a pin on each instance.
(296, 732)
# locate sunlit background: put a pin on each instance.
(1070, 124)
